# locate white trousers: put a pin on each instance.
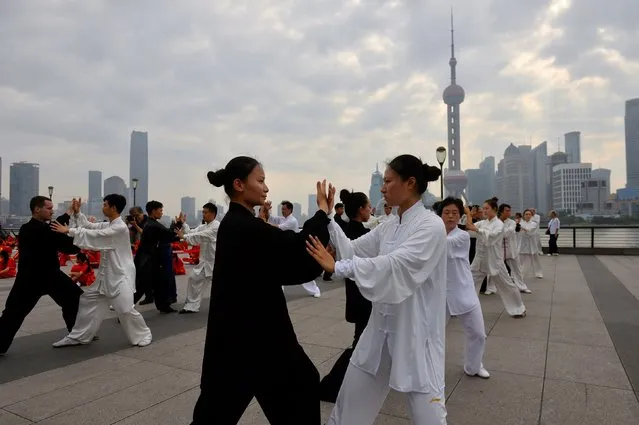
(516, 273)
(195, 291)
(506, 289)
(94, 306)
(475, 338)
(361, 397)
(538, 240)
(531, 260)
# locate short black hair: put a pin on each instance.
(287, 204)
(339, 205)
(451, 201)
(211, 207)
(116, 200)
(502, 207)
(152, 206)
(38, 202)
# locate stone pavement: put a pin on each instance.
(573, 360)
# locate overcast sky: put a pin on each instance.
(311, 88)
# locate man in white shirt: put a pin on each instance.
(115, 283)
(553, 229)
(204, 235)
(288, 222)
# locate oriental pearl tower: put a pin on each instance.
(454, 179)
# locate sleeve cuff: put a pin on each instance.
(73, 232)
(344, 269)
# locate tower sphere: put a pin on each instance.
(454, 95)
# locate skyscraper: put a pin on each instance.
(375, 190)
(139, 166)
(312, 204)
(632, 143)
(572, 141)
(187, 205)
(24, 184)
(540, 179)
(454, 178)
(94, 202)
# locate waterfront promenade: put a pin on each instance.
(573, 360)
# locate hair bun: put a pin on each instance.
(431, 173)
(217, 178)
(344, 195)
(494, 198)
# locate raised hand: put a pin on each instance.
(331, 197)
(71, 209)
(60, 228)
(322, 197)
(315, 248)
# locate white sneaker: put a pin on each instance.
(488, 292)
(317, 295)
(144, 343)
(539, 277)
(66, 342)
(483, 374)
(526, 291)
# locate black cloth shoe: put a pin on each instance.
(167, 310)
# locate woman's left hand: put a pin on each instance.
(320, 254)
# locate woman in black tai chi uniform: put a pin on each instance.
(251, 348)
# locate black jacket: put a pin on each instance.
(358, 308)
(248, 316)
(39, 246)
(154, 237)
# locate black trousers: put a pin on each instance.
(151, 278)
(287, 389)
(552, 245)
(332, 382)
(26, 293)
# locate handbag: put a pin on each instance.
(548, 231)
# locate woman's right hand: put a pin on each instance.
(325, 196)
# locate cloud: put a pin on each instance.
(312, 89)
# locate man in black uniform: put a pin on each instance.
(152, 269)
(39, 272)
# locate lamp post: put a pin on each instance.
(441, 158)
(134, 183)
(51, 193)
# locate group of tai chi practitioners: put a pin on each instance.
(406, 275)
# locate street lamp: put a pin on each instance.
(134, 183)
(441, 158)
(51, 193)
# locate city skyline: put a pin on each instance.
(310, 95)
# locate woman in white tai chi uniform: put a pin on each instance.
(511, 248)
(401, 267)
(461, 296)
(115, 282)
(528, 252)
(489, 258)
(204, 235)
